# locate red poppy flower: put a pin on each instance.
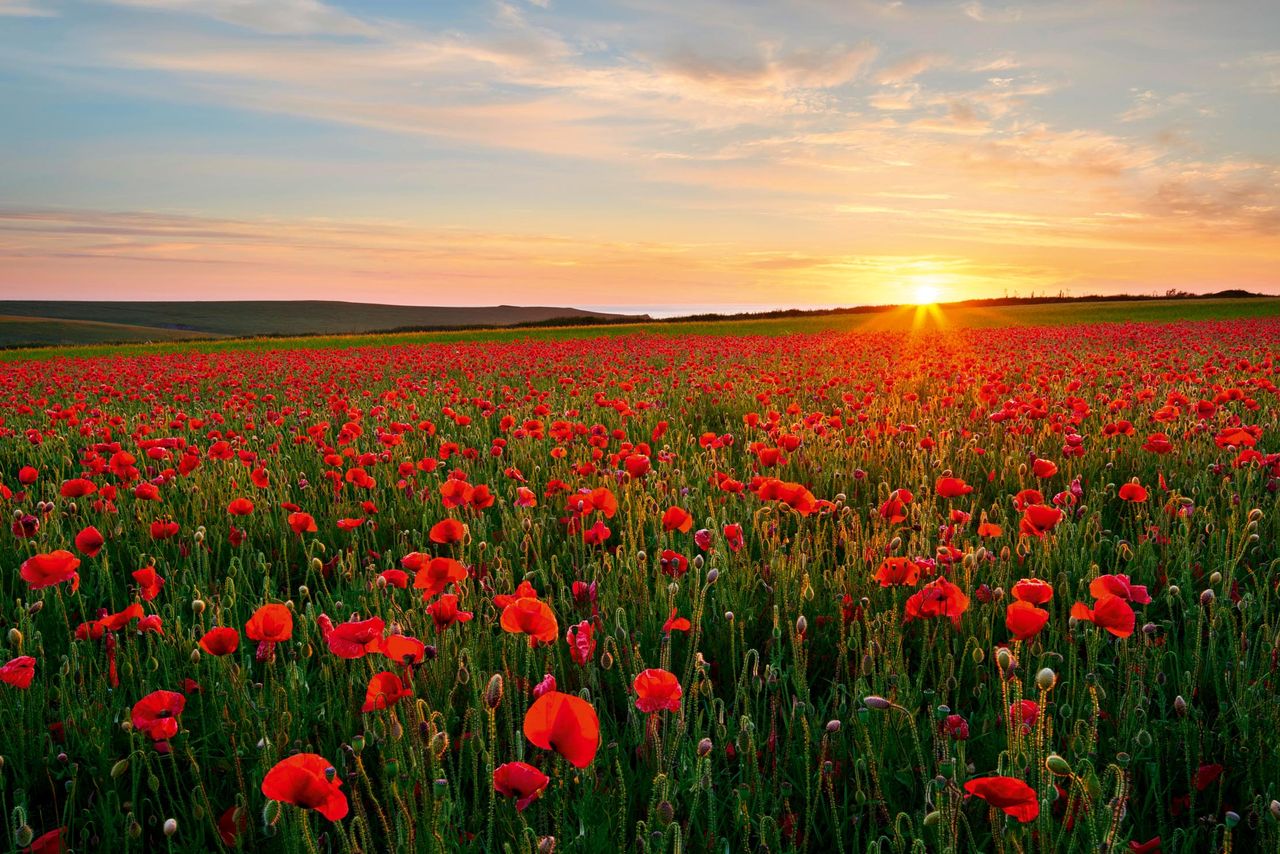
(220, 641)
(77, 488)
(531, 617)
(1110, 612)
(156, 715)
(521, 781)
(1133, 492)
(1039, 519)
(657, 690)
(46, 570)
(1119, 585)
(447, 531)
(938, 598)
(307, 780)
(402, 650)
(1025, 620)
(672, 563)
(240, 507)
(444, 612)
(895, 508)
(897, 572)
(48, 843)
(951, 487)
(302, 523)
(1032, 590)
(677, 519)
(384, 690)
(433, 576)
(676, 623)
(504, 600)
(19, 672)
(354, 638)
(232, 824)
(149, 582)
(582, 643)
(566, 724)
(90, 541)
(270, 623)
(1044, 468)
(1025, 713)
(1007, 794)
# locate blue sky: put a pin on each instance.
(647, 153)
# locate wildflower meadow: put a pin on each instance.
(1006, 590)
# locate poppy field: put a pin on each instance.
(1005, 590)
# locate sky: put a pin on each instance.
(640, 155)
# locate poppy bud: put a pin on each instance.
(641, 557)
(1232, 818)
(1179, 705)
(1207, 596)
(271, 813)
(833, 727)
(697, 561)
(932, 818)
(713, 575)
(170, 826)
(1004, 659)
(876, 702)
(547, 845)
(1046, 678)
(195, 656)
(24, 836)
(801, 625)
(728, 615)
(673, 588)
(357, 745)
(1057, 765)
(15, 638)
(1174, 590)
(118, 770)
(1274, 809)
(666, 812)
(704, 748)
(493, 693)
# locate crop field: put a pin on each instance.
(844, 587)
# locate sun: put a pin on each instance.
(926, 294)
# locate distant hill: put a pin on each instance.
(26, 322)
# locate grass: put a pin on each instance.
(928, 320)
(55, 332)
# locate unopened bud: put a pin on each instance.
(493, 693)
(876, 702)
(1046, 678)
(170, 826)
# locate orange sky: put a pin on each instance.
(646, 154)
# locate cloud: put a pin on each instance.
(24, 9)
(1147, 104)
(773, 68)
(908, 68)
(291, 17)
(1264, 71)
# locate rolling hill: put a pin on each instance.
(34, 322)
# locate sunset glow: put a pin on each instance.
(656, 153)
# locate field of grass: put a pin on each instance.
(731, 587)
(908, 319)
(61, 322)
(54, 332)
